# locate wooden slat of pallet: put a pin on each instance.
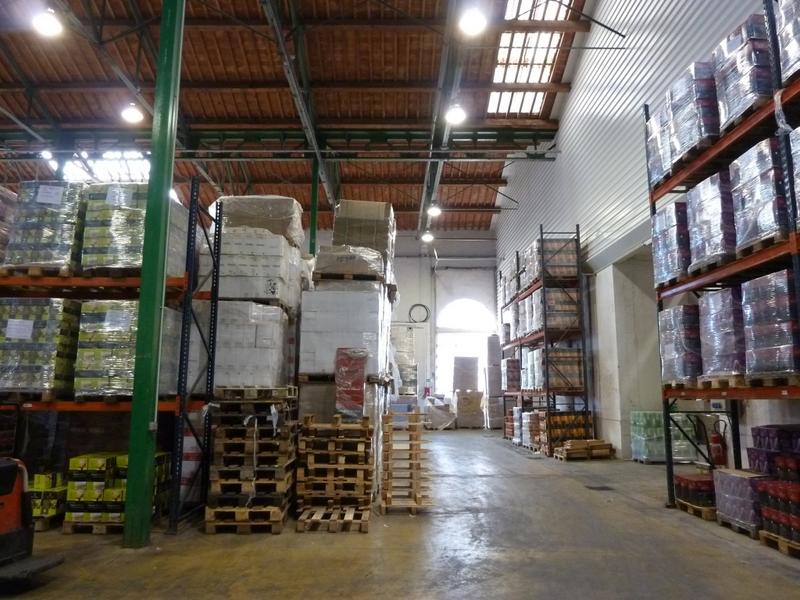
(215, 527)
(70, 527)
(259, 514)
(333, 520)
(738, 526)
(707, 513)
(784, 546)
(252, 393)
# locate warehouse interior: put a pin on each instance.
(502, 292)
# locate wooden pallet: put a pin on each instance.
(756, 245)
(241, 432)
(317, 276)
(672, 281)
(112, 272)
(224, 487)
(248, 459)
(248, 500)
(246, 473)
(758, 102)
(738, 526)
(70, 527)
(215, 527)
(334, 445)
(680, 384)
(784, 546)
(249, 446)
(333, 520)
(709, 265)
(254, 394)
(337, 428)
(707, 513)
(62, 271)
(45, 523)
(23, 397)
(245, 514)
(721, 382)
(330, 378)
(773, 380)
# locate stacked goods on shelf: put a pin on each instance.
(671, 252)
(794, 141)
(787, 16)
(647, 437)
(8, 204)
(96, 486)
(561, 309)
(555, 257)
(679, 328)
(555, 428)
(737, 499)
(530, 424)
(106, 356)
(367, 225)
(742, 70)
(770, 325)
(780, 513)
(48, 499)
(48, 228)
(405, 465)
(659, 152)
(510, 372)
(355, 262)
(255, 451)
(38, 344)
(256, 264)
(493, 410)
(516, 436)
(722, 343)
(759, 203)
(775, 450)
(114, 229)
(278, 214)
(469, 409)
(712, 234)
(336, 471)
(508, 281)
(508, 424)
(558, 369)
(692, 109)
(584, 449)
(697, 491)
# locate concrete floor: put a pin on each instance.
(505, 525)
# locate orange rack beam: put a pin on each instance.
(746, 393)
(164, 406)
(81, 287)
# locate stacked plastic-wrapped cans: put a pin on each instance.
(709, 212)
(8, 204)
(737, 497)
(647, 437)
(770, 324)
(679, 328)
(671, 255)
(722, 332)
(697, 489)
(561, 308)
(48, 226)
(759, 205)
(742, 69)
(787, 17)
(659, 156)
(693, 112)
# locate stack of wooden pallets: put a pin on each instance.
(584, 449)
(255, 452)
(405, 469)
(335, 475)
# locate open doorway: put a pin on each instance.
(461, 330)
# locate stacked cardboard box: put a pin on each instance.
(511, 374)
(253, 473)
(564, 369)
(561, 309)
(38, 343)
(554, 257)
(114, 229)
(712, 234)
(281, 215)
(469, 409)
(48, 499)
(106, 354)
(647, 437)
(96, 485)
(556, 427)
(368, 225)
(48, 227)
(659, 152)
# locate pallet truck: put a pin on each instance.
(17, 563)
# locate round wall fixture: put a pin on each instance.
(419, 313)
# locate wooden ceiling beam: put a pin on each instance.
(496, 181)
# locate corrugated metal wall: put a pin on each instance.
(599, 179)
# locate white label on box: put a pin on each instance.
(49, 194)
(118, 319)
(114, 194)
(19, 329)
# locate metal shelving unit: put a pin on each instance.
(548, 398)
(178, 292)
(760, 124)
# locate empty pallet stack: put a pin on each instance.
(584, 449)
(255, 450)
(335, 475)
(405, 467)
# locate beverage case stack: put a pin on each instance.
(48, 498)
(671, 249)
(647, 437)
(787, 17)
(742, 70)
(8, 205)
(692, 108)
(679, 328)
(736, 494)
(722, 341)
(712, 233)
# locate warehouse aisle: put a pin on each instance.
(506, 525)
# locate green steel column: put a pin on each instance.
(144, 413)
(312, 224)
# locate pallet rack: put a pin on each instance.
(178, 293)
(547, 398)
(759, 124)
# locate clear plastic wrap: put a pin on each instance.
(770, 324)
(562, 309)
(349, 260)
(659, 155)
(8, 206)
(48, 226)
(742, 69)
(647, 437)
(38, 342)
(256, 264)
(693, 111)
(737, 499)
(679, 328)
(671, 251)
(709, 212)
(278, 214)
(759, 204)
(367, 224)
(722, 332)
(787, 17)
(782, 438)
(510, 374)
(557, 257)
(113, 232)
(564, 369)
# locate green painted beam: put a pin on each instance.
(142, 442)
(312, 222)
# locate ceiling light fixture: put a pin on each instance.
(46, 23)
(434, 210)
(46, 154)
(472, 22)
(427, 237)
(455, 115)
(132, 114)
